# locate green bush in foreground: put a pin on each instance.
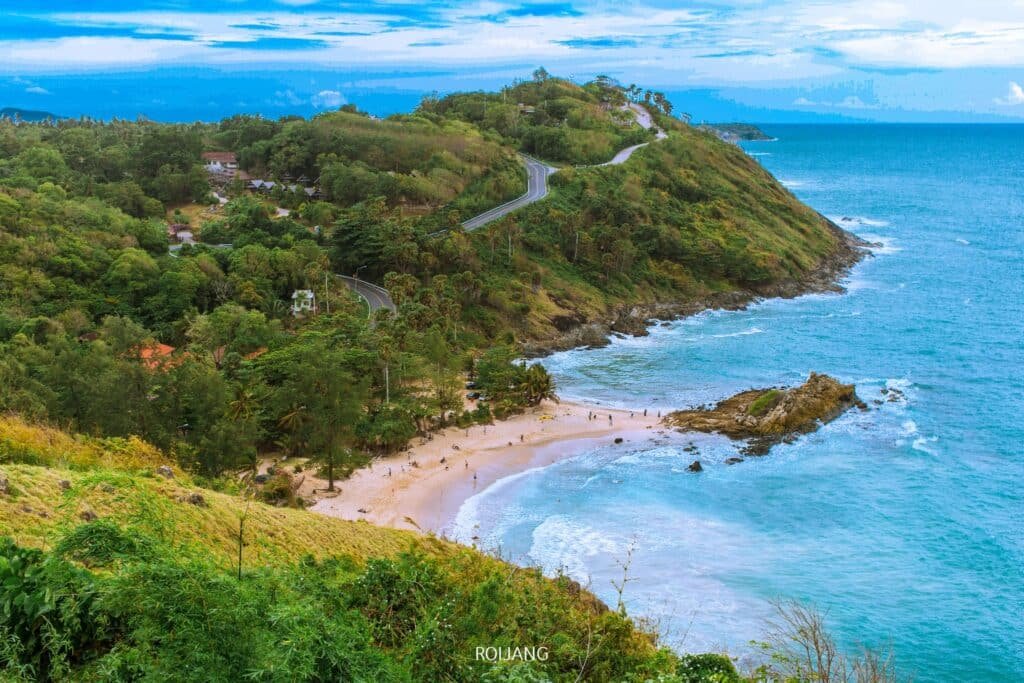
(158, 615)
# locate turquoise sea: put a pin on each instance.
(905, 523)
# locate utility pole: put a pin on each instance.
(327, 293)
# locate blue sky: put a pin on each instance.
(758, 60)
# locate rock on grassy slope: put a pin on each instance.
(115, 566)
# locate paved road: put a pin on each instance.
(376, 297)
(537, 174)
(643, 118)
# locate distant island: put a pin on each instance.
(30, 115)
(738, 132)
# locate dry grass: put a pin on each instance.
(38, 511)
(116, 479)
(24, 442)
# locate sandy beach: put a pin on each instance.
(424, 487)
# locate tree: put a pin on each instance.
(537, 385)
(325, 402)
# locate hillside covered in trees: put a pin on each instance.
(113, 327)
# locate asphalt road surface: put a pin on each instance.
(536, 189)
(376, 297)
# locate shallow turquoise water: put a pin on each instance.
(905, 523)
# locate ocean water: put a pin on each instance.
(905, 523)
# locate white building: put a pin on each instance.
(303, 301)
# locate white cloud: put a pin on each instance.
(328, 99)
(854, 102)
(752, 43)
(37, 90)
(289, 97)
(1013, 97)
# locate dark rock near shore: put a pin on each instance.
(695, 466)
(766, 417)
(733, 461)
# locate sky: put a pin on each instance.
(751, 60)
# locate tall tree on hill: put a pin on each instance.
(318, 385)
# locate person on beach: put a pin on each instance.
(609, 418)
(645, 412)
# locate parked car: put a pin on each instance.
(471, 385)
(473, 395)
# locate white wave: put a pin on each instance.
(467, 521)
(901, 383)
(790, 183)
(885, 245)
(859, 220)
(561, 543)
(909, 428)
(760, 154)
(742, 333)
(921, 444)
(961, 240)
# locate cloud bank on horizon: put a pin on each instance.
(877, 59)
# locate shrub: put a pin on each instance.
(100, 542)
(763, 403)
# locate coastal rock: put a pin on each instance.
(768, 416)
(5, 486)
(695, 467)
(733, 461)
(64, 484)
(165, 472)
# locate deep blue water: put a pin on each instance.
(905, 523)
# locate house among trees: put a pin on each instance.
(303, 301)
(220, 163)
(157, 356)
(180, 233)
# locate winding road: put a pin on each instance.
(375, 296)
(537, 173)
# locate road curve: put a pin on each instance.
(375, 296)
(537, 174)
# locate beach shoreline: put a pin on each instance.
(456, 463)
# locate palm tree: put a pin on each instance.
(537, 385)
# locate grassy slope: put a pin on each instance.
(115, 479)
